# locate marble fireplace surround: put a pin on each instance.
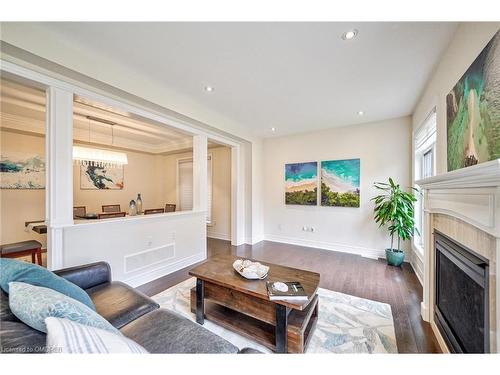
(465, 205)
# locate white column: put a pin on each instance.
(425, 307)
(200, 155)
(237, 197)
(59, 175)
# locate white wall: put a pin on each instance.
(384, 149)
(20, 205)
(468, 41)
(163, 243)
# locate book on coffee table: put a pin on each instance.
(286, 291)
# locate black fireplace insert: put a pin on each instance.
(461, 303)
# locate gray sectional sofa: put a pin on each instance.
(136, 315)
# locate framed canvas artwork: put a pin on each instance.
(21, 171)
(301, 183)
(340, 183)
(473, 111)
(101, 178)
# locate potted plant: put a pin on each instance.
(395, 208)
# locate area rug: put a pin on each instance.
(346, 324)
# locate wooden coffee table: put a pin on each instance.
(228, 299)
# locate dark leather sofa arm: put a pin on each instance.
(249, 351)
(88, 275)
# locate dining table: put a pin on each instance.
(37, 226)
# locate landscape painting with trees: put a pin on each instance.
(473, 111)
(340, 183)
(301, 183)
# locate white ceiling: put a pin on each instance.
(23, 109)
(292, 76)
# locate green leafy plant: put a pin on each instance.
(395, 208)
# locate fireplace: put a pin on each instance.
(461, 301)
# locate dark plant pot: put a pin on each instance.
(394, 257)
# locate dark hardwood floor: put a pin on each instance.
(342, 272)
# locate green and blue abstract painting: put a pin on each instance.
(340, 183)
(301, 181)
(473, 111)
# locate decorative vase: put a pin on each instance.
(132, 208)
(139, 203)
(394, 257)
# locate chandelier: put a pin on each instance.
(96, 157)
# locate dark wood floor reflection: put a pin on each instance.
(342, 272)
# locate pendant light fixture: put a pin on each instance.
(87, 156)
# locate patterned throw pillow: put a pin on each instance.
(32, 304)
(17, 270)
(65, 336)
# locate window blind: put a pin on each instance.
(426, 133)
(185, 186)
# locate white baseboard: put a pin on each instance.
(424, 312)
(344, 248)
(254, 240)
(418, 266)
(164, 270)
(219, 236)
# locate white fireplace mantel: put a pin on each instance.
(471, 195)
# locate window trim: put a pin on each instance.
(418, 155)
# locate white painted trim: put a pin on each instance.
(114, 220)
(164, 270)
(253, 241)
(59, 171)
(478, 176)
(418, 266)
(43, 80)
(237, 193)
(219, 236)
(340, 247)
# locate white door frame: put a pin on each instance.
(58, 215)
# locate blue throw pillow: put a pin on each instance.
(32, 304)
(16, 270)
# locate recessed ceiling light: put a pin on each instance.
(349, 34)
(273, 129)
(209, 88)
(361, 113)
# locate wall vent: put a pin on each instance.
(149, 257)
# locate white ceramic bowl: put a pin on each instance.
(250, 270)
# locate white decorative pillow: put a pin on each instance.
(65, 336)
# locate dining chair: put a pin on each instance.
(111, 208)
(151, 211)
(79, 211)
(108, 215)
(169, 207)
